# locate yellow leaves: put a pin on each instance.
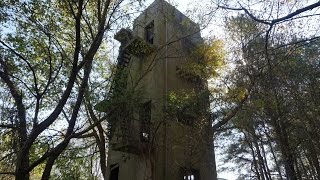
(237, 93)
(180, 98)
(206, 60)
(36, 173)
(213, 52)
(38, 59)
(192, 69)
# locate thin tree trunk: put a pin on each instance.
(285, 148)
(311, 165)
(305, 171)
(314, 158)
(255, 164)
(48, 167)
(299, 176)
(103, 152)
(288, 158)
(268, 174)
(274, 156)
(260, 159)
(100, 140)
(99, 136)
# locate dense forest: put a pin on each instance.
(57, 60)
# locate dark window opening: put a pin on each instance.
(190, 174)
(145, 120)
(149, 30)
(114, 173)
(188, 177)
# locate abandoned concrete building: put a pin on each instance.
(146, 140)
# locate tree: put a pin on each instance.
(45, 67)
(270, 122)
(294, 13)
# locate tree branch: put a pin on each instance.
(56, 112)
(8, 126)
(26, 61)
(297, 12)
(231, 113)
(274, 21)
(8, 173)
(14, 91)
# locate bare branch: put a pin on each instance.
(8, 173)
(8, 126)
(297, 12)
(246, 11)
(274, 21)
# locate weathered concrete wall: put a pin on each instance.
(175, 145)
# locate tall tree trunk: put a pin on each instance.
(287, 154)
(255, 163)
(311, 165)
(283, 141)
(306, 171)
(100, 140)
(98, 135)
(268, 173)
(22, 164)
(103, 156)
(22, 161)
(299, 176)
(260, 159)
(314, 158)
(303, 168)
(274, 155)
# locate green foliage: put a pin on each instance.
(7, 144)
(48, 52)
(189, 106)
(139, 47)
(272, 120)
(205, 61)
(78, 162)
(242, 28)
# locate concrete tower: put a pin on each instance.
(147, 139)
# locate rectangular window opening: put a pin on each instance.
(190, 174)
(188, 177)
(145, 120)
(114, 172)
(149, 31)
